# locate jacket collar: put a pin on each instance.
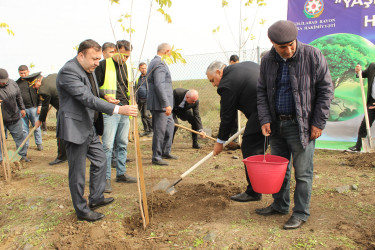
(278, 58)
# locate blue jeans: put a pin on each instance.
(17, 134)
(32, 116)
(286, 143)
(116, 126)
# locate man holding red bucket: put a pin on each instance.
(294, 94)
(236, 84)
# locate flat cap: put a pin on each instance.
(32, 77)
(282, 31)
(3, 76)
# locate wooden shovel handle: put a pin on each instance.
(26, 139)
(193, 131)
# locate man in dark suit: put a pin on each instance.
(47, 94)
(186, 107)
(369, 73)
(160, 103)
(236, 84)
(79, 123)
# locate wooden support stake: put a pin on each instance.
(138, 162)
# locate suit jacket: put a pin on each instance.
(77, 103)
(237, 89)
(178, 96)
(160, 92)
(47, 93)
(369, 73)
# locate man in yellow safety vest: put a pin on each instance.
(113, 75)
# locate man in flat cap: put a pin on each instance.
(12, 109)
(294, 93)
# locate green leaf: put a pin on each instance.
(32, 65)
(224, 3)
(115, 1)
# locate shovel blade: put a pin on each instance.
(367, 146)
(13, 156)
(165, 185)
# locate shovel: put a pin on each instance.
(14, 156)
(165, 185)
(367, 143)
(231, 145)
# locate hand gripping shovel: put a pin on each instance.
(232, 145)
(367, 143)
(169, 188)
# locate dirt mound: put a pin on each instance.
(191, 202)
(362, 236)
(364, 160)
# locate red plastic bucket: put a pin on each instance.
(266, 173)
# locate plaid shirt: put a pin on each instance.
(284, 97)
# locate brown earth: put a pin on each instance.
(36, 210)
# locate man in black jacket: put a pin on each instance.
(32, 105)
(369, 73)
(186, 107)
(236, 84)
(47, 94)
(294, 94)
(12, 109)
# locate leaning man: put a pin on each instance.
(12, 109)
(294, 94)
(236, 85)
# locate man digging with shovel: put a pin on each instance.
(236, 84)
(12, 110)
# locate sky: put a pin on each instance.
(46, 31)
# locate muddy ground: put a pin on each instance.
(36, 210)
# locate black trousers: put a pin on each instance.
(252, 144)
(145, 115)
(186, 116)
(91, 149)
(362, 131)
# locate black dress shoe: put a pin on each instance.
(56, 161)
(267, 211)
(293, 223)
(102, 203)
(169, 156)
(25, 159)
(144, 133)
(354, 149)
(196, 145)
(245, 197)
(160, 162)
(91, 216)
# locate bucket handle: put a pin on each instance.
(265, 147)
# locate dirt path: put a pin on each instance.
(36, 210)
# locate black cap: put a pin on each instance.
(32, 77)
(282, 31)
(3, 76)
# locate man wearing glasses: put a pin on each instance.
(113, 75)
